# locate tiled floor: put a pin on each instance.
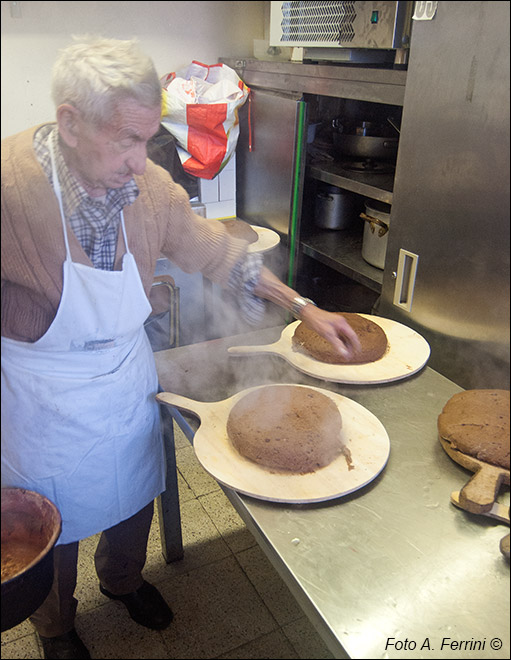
(227, 599)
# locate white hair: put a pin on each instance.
(94, 74)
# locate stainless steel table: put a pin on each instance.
(393, 570)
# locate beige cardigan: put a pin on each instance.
(160, 222)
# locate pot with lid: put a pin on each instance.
(376, 232)
(335, 208)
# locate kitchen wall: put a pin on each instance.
(172, 33)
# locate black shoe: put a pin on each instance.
(66, 647)
(145, 606)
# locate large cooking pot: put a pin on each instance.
(365, 140)
(335, 208)
(31, 525)
(376, 236)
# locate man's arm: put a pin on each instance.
(332, 327)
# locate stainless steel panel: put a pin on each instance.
(264, 177)
(451, 192)
(360, 83)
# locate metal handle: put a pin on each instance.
(374, 221)
(405, 281)
(165, 304)
(393, 124)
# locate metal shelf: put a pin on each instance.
(360, 83)
(342, 251)
(375, 186)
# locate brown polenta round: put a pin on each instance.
(288, 428)
(476, 423)
(373, 342)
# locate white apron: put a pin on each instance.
(80, 422)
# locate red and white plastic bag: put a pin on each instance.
(200, 109)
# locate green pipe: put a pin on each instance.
(295, 200)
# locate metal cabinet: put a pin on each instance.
(272, 166)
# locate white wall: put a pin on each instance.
(172, 33)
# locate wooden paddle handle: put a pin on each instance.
(199, 408)
(480, 493)
(498, 511)
(243, 350)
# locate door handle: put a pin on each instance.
(405, 279)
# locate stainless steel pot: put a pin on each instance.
(376, 228)
(31, 525)
(365, 140)
(335, 208)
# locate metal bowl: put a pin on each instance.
(365, 139)
(31, 525)
(366, 146)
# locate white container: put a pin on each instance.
(219, 194)
(376, 232)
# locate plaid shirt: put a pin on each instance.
(95, 222)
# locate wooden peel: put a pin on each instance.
(480, 493)
(407, 353)
(498, 511)
(362, 433)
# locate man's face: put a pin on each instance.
(108, 156)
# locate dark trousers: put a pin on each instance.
(119, 559)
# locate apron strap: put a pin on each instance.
(124, 233)
(58, 193)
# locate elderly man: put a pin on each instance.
(85, 216)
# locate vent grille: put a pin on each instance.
(329, 22)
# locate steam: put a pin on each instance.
(218, 375)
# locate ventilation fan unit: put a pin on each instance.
(327, 27)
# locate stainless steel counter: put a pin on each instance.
(393, 570)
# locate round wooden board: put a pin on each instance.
(362, 433)
(406, 354)
(267, 239)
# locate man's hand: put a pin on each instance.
(332, 327)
